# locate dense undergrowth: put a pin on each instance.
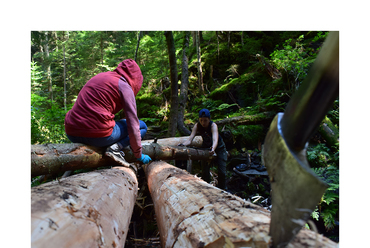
(238, 75)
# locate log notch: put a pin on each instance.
(85, 210)
(56, 158)
(192, 213)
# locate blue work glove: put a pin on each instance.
(144, 158)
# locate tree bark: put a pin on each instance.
(184, 87)
(57, 158)
(85, 210)
(137, 46)
(64, 78)
(199, 63)
(174, 84)
(192, 213)
(47, 59)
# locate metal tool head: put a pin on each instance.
(295, 189)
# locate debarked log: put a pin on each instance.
(56, 158)
(193, 213)
(84, 210)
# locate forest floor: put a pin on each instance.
(143, 231)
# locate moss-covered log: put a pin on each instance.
(260, 118)
(329, 132)
(192, 213)
(85, 210)
(57, 158)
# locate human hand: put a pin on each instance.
(212, 151)
(144, 158)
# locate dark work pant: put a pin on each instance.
(221, 167)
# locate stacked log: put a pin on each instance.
(57, 158)
(85, 210)
(192, 213)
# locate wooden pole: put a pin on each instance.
(85, 210)
(192, 213)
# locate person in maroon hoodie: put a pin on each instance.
(91, 119)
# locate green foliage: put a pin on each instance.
(328, 208)
(47, 124)
(247, 135)
(326, 165)
(293, 59)
(321, 156)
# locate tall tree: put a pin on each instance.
(184, 87)
(199, 64)
(138, 42)
(47, 59)
(174, 84)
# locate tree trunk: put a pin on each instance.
(47, 59)
(174, 84)
(138, 42)
(184, 87)
(85, 210)
(218, 48)
(64, 77)
(200, 73)
(57, 158)
(192, 213)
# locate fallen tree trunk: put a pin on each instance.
(85, 210)
(192, 213)
(329, 132)
(56, 158)
(260, 118)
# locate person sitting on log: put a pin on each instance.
(211, 139)
(91, 119)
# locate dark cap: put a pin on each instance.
(204, 113)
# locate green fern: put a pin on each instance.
(329, 206)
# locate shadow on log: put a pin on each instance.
(85, 210)
(192, 213)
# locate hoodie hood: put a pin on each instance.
(132, 73)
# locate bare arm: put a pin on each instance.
(191, 137)
(214, 138)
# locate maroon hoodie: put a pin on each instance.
(103, 96)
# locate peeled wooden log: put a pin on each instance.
(56, 158)
(85, 210)
(192, 213)
(174, 141)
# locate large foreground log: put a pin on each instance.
(85, 210)
(192, 213)
(56, 158)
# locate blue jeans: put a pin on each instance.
(119, 135)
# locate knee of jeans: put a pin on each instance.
(143, 125)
